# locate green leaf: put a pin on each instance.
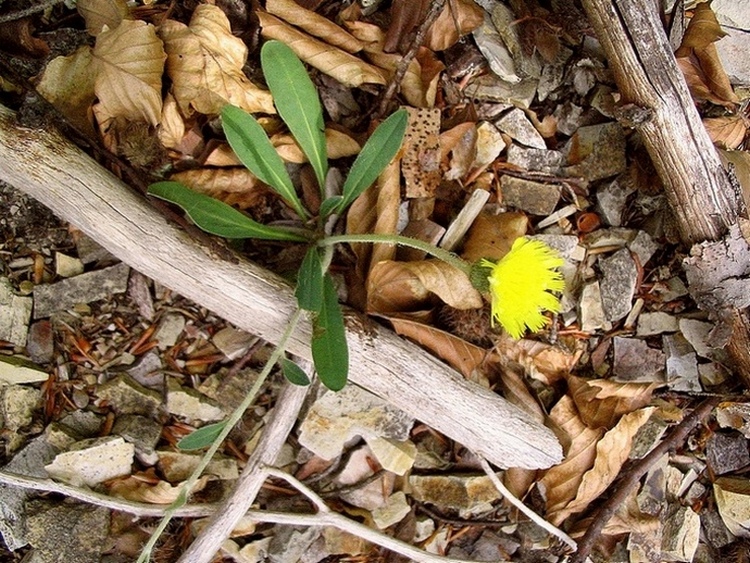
(329, 349)
(330, 205)
(309, 290)
(378, 151)
(252, 146)
(294, 373)
(297, 102)
(202, 437)
(216, 217)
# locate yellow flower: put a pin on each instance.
(520, 285)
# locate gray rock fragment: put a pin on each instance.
(146, 370)
(591, 310)
(600, 152)
(127, 396)
(536, 160)
(612, 198)
(143, 433)
(15, 312)
(169, 330)
(619, 278)
(657, 322)
(635, 361)
(643, 246)
(536, 198)
(727, 452)
(516, 125)
(90, 251)
(682, 364)
(85, 288)
(40, 344)
(18, 405)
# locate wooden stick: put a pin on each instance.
(49, 168)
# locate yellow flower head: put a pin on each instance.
(520, 285)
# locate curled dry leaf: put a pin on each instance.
(727, 132)
(601, 402)
(172, 127)
(457, 19)
(461, 355)
(492, 236)
(102, 14)
(205, 65)
(344, 67)
(612, 452)
(68, 84)
(562, 481)
(545, 362)
(314, 24)
(131, 63)
(234, 186)
(420, 163)
(160, 492)
(402, 286)
(338, 145)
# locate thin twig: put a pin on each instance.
(436, 7)
(631, 478)
(533, 516)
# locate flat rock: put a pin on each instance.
(466, 494)
(643, 246)
(611, 199)
(90, 251)
(14, 370)
(657, 322)
(142, 432)
(85, 288)
(492, 46)
(536, 160)
(40, 344)
(177, 466)
(65, 533)
(733, 53)
(146, 370)
(127, 396)
(370, 495)
(396, 457)
(731, 14)
(169, 330)
(190, 404)
(635, 361)
(233, 342)
(335, 418)
(489, 145)
(392, 512)
(727, 452)
(67, 266)
(93, 461)
(288, 543)
(682, 364)
(680, 534)
(619, 278)
(517, 126)
(569, 118)
(591, 310)
(15, 312)
(536, 198)
(598, 151)
(732, 496)
(18, 405)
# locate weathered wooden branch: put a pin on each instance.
(52, 170)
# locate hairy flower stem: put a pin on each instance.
(431, 249)
(233, 419)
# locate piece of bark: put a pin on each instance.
(51, 169)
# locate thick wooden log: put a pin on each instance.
(648, 77)
(52, 170)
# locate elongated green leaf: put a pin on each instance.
(309, 290)
(378, 151)
(297, 102)
(330, 205)
(202, 437)
(252, 146)
(329, 348)
(216, 217)
(294, 373)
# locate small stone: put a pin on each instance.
(536, 160)
(18, 405)
(712, 374)
(370, 495)
(90, 251)
(85, 424)
(392, 512)
(169, 330)
(727, 452)
(553, 74)
(143, 433)
(698, 333)
(93, 461)
(682, 364)
(657, 322)
(15, 312)
(490, 87)
(233, 342)
(190, 404)
(396, 457)
(592, 313)
(489, 145)
(635, 361)
(599, 152)
(731, 14)
(493, 48)
(229, 392)
(62, 532)
(127, 396)
(337, 417)
(177, 466)
(14, 370)
(618, 284)
(680, 534)
(733, 54)
(146, 370)
(734, 415)
(536, 198)
(85, 288)
(732, 496)
(140, 293)
(340, 542)
(288, 543)
(67, 266)
(40, 344)
(643, 246)
(516, 125)
(568, 117)
(605, 238)
(671, 289)
(612, 198)
(467, 494)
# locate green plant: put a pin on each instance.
(297, 103)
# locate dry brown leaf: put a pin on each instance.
(450, 284)
(601, 402)
(612, 452)
(131, 63)
(727, 132)
(205, 64)
(338, 145)
(405, 17)
(344, 67)
(172, 126)
(234, 186)
(68, 84)
(17, 37)
(139, 490)
(457, 19)
(102, 14)
(562, 481)
(702, 30)
(461, 144)
(491, 236)
(394, 288)
(314, 24)
(461, 355)
(545, 362)
(420, 164)
(412, 86)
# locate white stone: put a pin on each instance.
(67, 266)
(170, 328)
(592, 312)
(518, 127)
(18, 405)
(393, 511)
(233, 342)
(395, 456)
(177, 466)
(15, 312)
(93, 461)
(190, 404)
(12, 372)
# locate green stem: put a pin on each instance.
(233, 419)
(431, 249)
